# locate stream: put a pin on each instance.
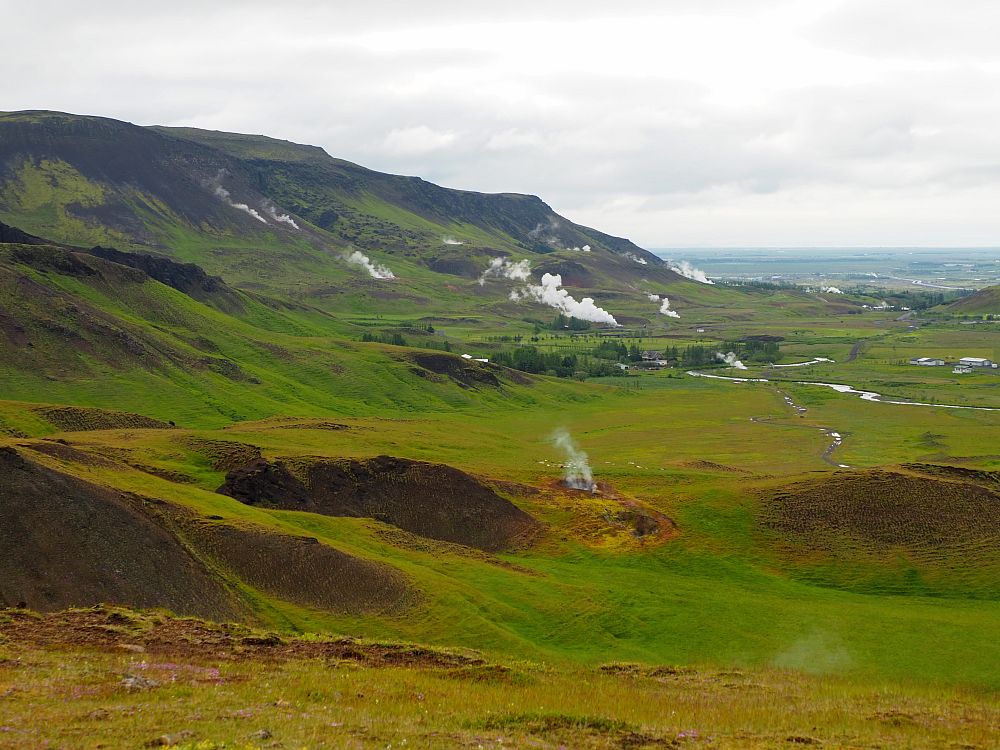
(841, 388)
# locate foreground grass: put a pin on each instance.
(79, 697)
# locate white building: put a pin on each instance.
(976, 362)
(927, 361)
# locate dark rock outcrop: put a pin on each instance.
(65, 542)
(430, 500)
(188, 278)
(13, 235)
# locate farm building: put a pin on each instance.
(961, 370)
(976, 362)
(651, 356)
(927, 361)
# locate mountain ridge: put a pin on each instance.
(218, 199)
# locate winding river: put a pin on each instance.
(841, 388)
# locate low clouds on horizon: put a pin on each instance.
(817, 122)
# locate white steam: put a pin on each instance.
(222, 194)
(665, 309)
(636, 259)
(549, 293)
(272, 211)
(688, 271)
(830, 290)
(449, 240)
(546, 233)
(730, 359)
(375, 270)
(665, 306)
(504, 268)
(584, 249)
(269, 208)
(577, 474)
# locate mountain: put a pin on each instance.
(271, 214)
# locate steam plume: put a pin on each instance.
(636, 259)
(730, 359)
(688, 271)
(272, 211)
(546, 233)
(223, 195)
(549, 293)
(830, 290)
(505, 268)
(375, 270)
(665, 309)
(577, 468)
(449, 240)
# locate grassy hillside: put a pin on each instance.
(984, 301)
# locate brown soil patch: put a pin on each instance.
(67, 542)
(463, 372)
(887, 532)
(81, 419)
(224, 455)
(7, 430)
(712, 466)
(430, 500)
(884, 508)
(301, 569)
(113, 629)
(105, 457)
(311, 425)
(573, 274)
(64, 452)
(987, 478)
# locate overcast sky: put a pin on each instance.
(675, 122)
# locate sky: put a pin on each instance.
(676, 123)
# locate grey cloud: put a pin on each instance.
(644, 151)
(960, 30)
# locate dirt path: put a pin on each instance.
(855, 351)
(109, 628)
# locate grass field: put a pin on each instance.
(128, 687)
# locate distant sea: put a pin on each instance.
(967, 266)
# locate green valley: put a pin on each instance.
(344, 412)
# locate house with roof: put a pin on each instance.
(976, 362)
